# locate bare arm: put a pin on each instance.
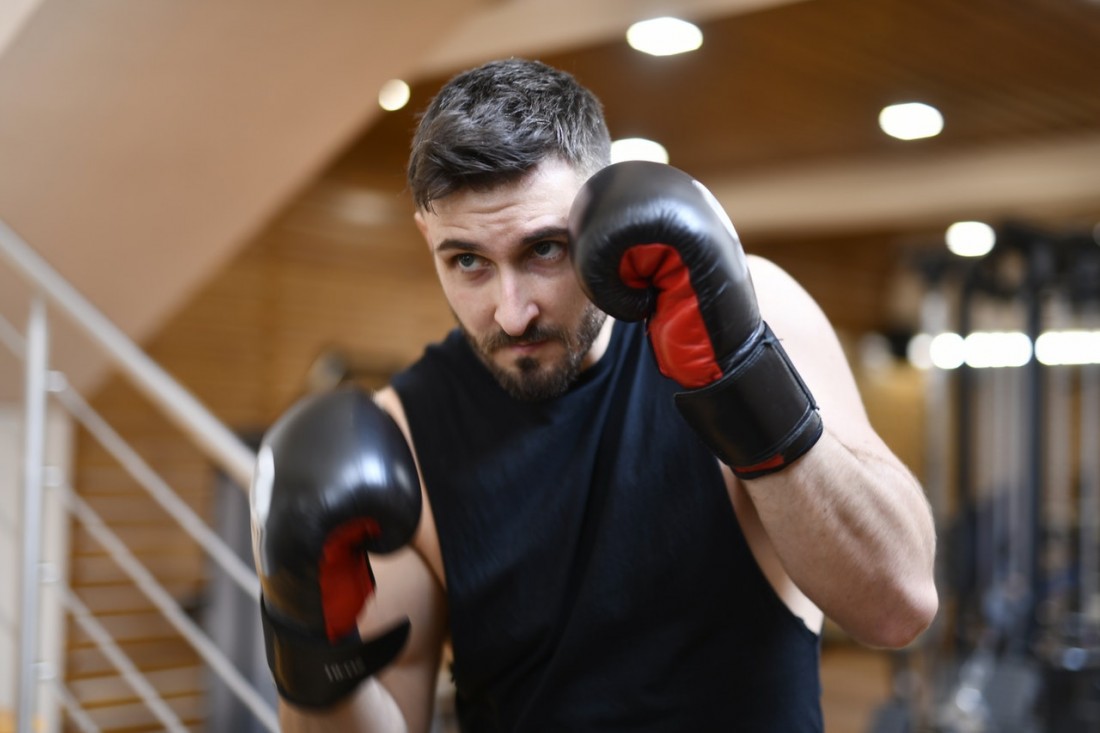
(849, 523)
(400, 699)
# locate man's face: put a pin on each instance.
(502, 257)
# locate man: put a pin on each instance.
(618, 524)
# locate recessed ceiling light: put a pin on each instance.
(393, 95)
(638, 148)
(664, 36)
(910, 121)
(970, 238)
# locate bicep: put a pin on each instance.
(406, 588)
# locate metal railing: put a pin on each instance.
(213, 438)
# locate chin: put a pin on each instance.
(534, 382)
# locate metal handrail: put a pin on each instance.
(177, 404)
(179, 407)
(36, 357)
(75, 404)
(243, 575)
(72, 707)
(164, 602)
(122, 663)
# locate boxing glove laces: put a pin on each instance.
(650, 242)
(334, 480)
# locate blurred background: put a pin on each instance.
(222, 185)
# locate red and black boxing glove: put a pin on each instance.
(650, 242)
(334, 480)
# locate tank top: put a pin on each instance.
(597, 578)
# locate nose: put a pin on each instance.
(516, 308)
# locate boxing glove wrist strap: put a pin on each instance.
(760, 416)
(313, 673)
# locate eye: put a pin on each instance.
(467, 262)
(548, 250)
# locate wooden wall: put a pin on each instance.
(243, 346)
(342, 267)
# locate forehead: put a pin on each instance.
(538, 200)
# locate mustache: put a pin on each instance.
(500, 339)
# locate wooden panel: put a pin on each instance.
(147, 654)
(108, 599)
(139, 538)
(130, 627)
(130, 715)
(855, 681)
(94, 691)
(243, 346)
(98, 570)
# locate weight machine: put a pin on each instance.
(1013, 474)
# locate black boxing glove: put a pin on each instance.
(334, 479)
(650, 242)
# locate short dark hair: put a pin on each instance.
(492, 124)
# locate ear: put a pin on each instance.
(422, 225)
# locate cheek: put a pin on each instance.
(469, 305)
(572, 295)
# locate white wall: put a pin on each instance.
(55, 551)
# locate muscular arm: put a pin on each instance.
(849, 523)
(400, 699)
(829, 506)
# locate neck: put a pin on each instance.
(599, 346)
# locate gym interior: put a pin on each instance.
(203, 218)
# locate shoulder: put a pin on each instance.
(426, 541)
(787, 307)
(387, 399)
(775, 286)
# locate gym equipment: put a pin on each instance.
(1014, 478)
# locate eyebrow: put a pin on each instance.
(452, 244)
(539, 235)
(550, 232)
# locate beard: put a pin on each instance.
(531, 379)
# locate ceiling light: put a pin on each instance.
(919, 351)
(1068, 347)
(947, 351)
(970, 238)
(997, 349)
(983, 349)
(910, 121)
(638, 148)
(393, 95)
(664, 36)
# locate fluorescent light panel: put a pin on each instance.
(998, 349)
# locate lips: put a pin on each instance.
(523, 345)
(527, 345)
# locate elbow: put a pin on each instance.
(900, 623)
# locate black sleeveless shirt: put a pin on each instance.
(597, 579)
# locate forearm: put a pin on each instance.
(762, 380)
(372, 709)
(854, 531)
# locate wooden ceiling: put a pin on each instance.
(798, 87)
